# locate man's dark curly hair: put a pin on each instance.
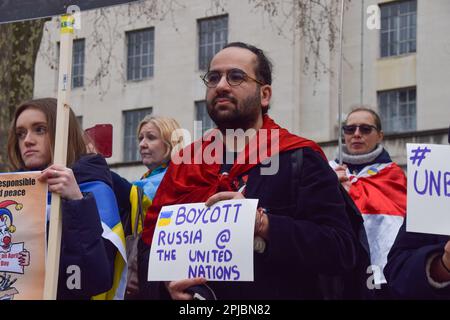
(263, 69)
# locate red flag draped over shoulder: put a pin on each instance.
(197, 181)
(381, 193)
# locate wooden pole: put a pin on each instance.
(59, 155)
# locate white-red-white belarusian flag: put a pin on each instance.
(379, 192)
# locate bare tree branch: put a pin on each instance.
(19, 43)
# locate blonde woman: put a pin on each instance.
(158, 139)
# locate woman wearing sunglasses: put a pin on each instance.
(376, 184)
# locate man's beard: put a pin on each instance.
(243, 116)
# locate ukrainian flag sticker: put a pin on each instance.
(165, 218)
(372, 171)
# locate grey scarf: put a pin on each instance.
(356, 159)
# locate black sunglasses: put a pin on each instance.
(234, 78)
(363, 128)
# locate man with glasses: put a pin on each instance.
(300, 232)
(376, 184)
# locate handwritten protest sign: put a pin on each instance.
(428, 208)
(216, 243)
(23, 202)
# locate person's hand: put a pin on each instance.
(261, 219)
(341, 172)
(224, 195)
(177, 288)
(24, 259)
(61, 180)
(440, 266)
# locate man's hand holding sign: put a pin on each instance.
(197, 242)
(261, 221)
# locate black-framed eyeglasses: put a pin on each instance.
(234, 78)
(363, 128)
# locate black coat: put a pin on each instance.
(82, 244)
(315, 237)
(122, 188)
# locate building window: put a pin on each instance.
(80, 121)
(213, 36)
(130, 141)
(78, 64)
(201, 114)
(398, 28)
(398, 110)
(141, 48)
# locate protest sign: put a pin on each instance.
(428, 207)
(23, 203)
(192, 240)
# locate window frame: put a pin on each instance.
(403, 117)
(130, 138)
(78, 65)
(207, 49)
(58, 51)
(398, 32)
(137, 70)
(198, 105)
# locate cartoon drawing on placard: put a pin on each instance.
(13, 256)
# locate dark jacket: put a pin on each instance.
(406, 267)
(82, 244)
(314, 238)
(122, 189)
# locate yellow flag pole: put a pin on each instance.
(59, 155)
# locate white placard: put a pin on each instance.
(192, 240)
(428, 208)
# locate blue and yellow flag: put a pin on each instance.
(113, 231)
(145, 202)
(165, 218)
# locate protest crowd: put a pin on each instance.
(321, 227)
